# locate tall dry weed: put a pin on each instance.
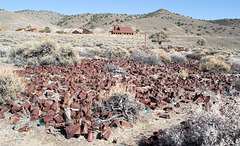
(10, 85)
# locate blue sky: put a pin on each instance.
(198, 9)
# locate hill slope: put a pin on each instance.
(14, 20)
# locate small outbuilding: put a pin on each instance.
(32, 29)
(76, 32)
(87, 31)
(122, 30)
(20, 29)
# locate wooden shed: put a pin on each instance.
(76, 32)
(87, 31)
(20, 29)
(32, 29)
(122, 30)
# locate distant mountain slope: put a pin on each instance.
(227, 22)
(151, 22)
(14, 20)
(47, 16)
(160, 20)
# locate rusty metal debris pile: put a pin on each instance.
(73, 99)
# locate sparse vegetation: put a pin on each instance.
(60, 32)
(145, 58)
(116, 52)
(202, 42)
(162, 55)
(47, 29)
(160, 37)
(213, 64)
(44, 53)
(10, 85)
(218, 126)
(235, 64)
(177, 57)
(183, 74)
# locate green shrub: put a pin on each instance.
(10, 85)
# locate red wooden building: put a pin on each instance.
(122, 30)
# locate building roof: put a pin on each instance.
(124, 30)
(32, 29)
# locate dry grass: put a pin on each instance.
(162, 55)
(213, 64)
(47, 52)
(183, 74)
(10, 85)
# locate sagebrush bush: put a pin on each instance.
(177, 57)
(83, 52)
(235, 64)
(44, 53)
(213, 64)
(218, 126)
(162, 55)
(145, 58)
(10, 85)
(2, 51)
(116, 52)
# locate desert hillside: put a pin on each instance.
(14, 20)
(151, 22)
(176, 81)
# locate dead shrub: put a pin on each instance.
(213, 64)
(145, 58)
(116, 52)
(177, 57)
(10, 85)
(121, 103)
(162, 55)
(218, 126)
(44, 53)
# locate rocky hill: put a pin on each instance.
(184, 30)
(14, 20)
(151, 22)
